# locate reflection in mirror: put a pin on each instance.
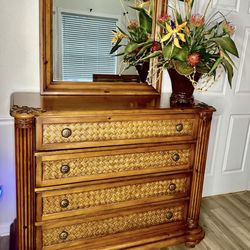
(82, 40)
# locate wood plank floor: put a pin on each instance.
(225, 219)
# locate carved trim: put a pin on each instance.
(206, 116)
(24, 122)
(25, 110)
(191, 223)
(24, 115)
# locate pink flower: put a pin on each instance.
(194, 59)
(197, 20)
(133, 24)
(163, 18)
(228, 28)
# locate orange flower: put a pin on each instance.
(228, 28)
(197, 20)
(163, 18)
(133, 24)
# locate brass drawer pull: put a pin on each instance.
(66, 132)
(179, 127)
(64, 203)
(65, 169)
(63, 235)
(176, 157)
(169, 215)
(172, 187)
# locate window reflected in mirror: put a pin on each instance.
(85, 40)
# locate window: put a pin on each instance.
(86, 45)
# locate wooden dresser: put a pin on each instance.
(102, 173)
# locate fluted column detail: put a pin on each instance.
(25, 172)
(195, 232)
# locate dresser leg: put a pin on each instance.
(194, 237)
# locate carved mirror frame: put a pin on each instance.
(52, 87)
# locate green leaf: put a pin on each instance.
(167, 52)
(183, 68)
(131, 47)
(230, 72)
(176, 53)
(116, 46)
(152, 55)
(180, 54)
(143, 49)
(217, 62)
(227, 57)
(123, 32)
(145, 21)
(226, 43)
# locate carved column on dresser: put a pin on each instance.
(25, 172)
(195, 232)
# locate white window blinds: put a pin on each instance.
(86, 45)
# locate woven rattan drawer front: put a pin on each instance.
(61, 134)
(90, 199)
(63, 168)
(60, 236)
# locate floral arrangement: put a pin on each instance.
(192, 43)
(134, 44)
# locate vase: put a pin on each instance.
(182, 88)
(142, 70)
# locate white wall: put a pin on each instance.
(19, 71)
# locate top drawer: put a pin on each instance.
(90, 131)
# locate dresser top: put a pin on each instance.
(35, 104)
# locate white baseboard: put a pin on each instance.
(5, 229)
(7, 178)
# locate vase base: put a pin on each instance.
(181, 99)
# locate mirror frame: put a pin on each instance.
(51, 87)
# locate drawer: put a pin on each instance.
(60, 133)
(98, 198)
(62, 168)
(153, 220)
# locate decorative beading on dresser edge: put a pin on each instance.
(114, 163)
(94, 198)
(115, 130)
(100, 228)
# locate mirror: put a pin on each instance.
(76, 41)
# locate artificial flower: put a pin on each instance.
(175, 33)
(117, 36)
(197, 20)
(228, 28)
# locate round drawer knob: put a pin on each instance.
(179, 127)
(169, 215)
(64, 203)
(63, 235)
(176, 157)
(172, 187)
(66, 132)
(65, 169)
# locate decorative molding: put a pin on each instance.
(232, 5)
(243, 64)
(5, 229)
(22, 110)
(24, 122)
(6, 121)
(242, 160)
(213, 145)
